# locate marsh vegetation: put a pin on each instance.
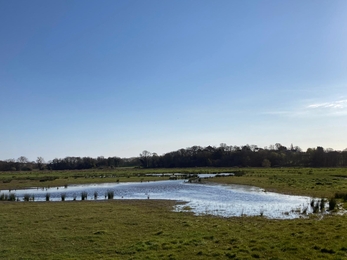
(131, 229)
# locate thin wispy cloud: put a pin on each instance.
(332, 108)
(340, 104)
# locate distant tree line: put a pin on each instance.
(196, 156)
(245, 156)
(67, 163)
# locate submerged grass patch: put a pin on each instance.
(148, 229)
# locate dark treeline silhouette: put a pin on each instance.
(196, 156)
(77, 163)
(68, 163)
(245, 156)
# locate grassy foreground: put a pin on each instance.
(150, 230)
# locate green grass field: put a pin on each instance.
(314, 182)
(149, 229)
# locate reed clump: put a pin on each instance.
(8, 197)
(322, 205)
(3, 196)
(84, 195)
(12, 197)
(110, 194)
(332, 204)
(26, 197)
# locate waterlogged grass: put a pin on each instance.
(148, 229)
(314, 182)
(20, 180)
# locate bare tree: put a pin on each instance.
(40, 162)
(22, 160)
(144, 158)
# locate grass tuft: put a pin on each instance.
(3, 196)
(26, 197)
(84, 195)
(110, 194)
(322, 205)
(12, 197)
(8, 197)
(332, 204)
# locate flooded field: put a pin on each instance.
(214, 199)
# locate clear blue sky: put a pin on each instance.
(114, 78)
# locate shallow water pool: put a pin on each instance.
(214, 199)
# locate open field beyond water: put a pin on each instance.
(315, 182)
(149, 229)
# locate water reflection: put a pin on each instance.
(215, 199)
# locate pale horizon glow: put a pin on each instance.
(114, 78)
